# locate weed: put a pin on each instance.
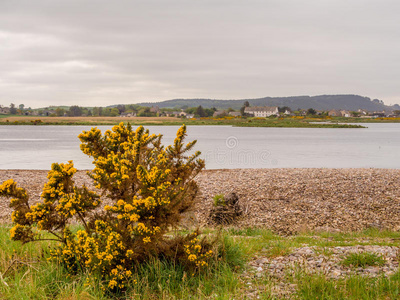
(363, 259)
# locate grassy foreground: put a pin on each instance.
(292, 122)
(27, 274)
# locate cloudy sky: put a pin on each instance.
(96, 53)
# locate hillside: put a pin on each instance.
(321, 102)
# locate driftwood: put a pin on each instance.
(226, 212)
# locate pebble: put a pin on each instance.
(287, 201)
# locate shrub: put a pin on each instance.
(148, 187)
(36, 122)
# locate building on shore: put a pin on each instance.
(262, 111)
(235, 113)
(334, 113)
(4, 110)
(219, 113)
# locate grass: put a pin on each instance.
(353, 287)
(363, 260)
(238, 122)
(27, 274)
(33, 277)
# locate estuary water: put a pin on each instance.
(223, 147)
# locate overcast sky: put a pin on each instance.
(97, 53)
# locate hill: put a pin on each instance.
(321, 102)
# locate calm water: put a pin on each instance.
(378, 146)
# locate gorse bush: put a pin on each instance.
(146, 187)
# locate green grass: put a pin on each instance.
(352, 287)
(238, 122)
(32, 276)
(363, 259)
(28, 274)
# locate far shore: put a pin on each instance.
(291, 122)
(287, 201)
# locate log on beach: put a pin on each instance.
(287, 201)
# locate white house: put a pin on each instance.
(262, 111)
(235, 113)
(345, 113)
(4, 110)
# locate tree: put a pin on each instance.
(97, 111)
(121, 108)
(114, 112)
(60, 111)
(13, 110)
(283, 109)
(75, 111)
(145, 112)
(245, 104)
(311, 111)
(209, 112)
(21, 107)
(200, 112)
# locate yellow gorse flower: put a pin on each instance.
(145, 185)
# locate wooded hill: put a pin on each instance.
(321, 102)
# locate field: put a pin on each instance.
(298, 122)
(84, 120)
(258, 265)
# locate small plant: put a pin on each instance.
(278, 249)
(219, 200)
(36, 122)
(363, 259)
(225, 209)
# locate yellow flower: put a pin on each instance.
(192, 257)
(112, 284)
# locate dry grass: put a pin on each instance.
(94, 120)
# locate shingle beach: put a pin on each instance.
(287, 201)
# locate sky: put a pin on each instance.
(98, 53)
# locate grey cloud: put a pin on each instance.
(102, 52)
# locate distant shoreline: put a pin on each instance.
(287, 122)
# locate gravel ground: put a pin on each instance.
(287, 201)
(313, 260)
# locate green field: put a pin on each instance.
(27, 274)
(296, 122)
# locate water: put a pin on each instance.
(378, 146)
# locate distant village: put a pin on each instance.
(133, 110)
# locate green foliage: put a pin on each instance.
(219, 200)
(148, 187)
(75, 111)
(311, 111)
(318, 286)
(363, 259)
(13, 109)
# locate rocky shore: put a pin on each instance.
(287, 201)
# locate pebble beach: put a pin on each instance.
(287, 201)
